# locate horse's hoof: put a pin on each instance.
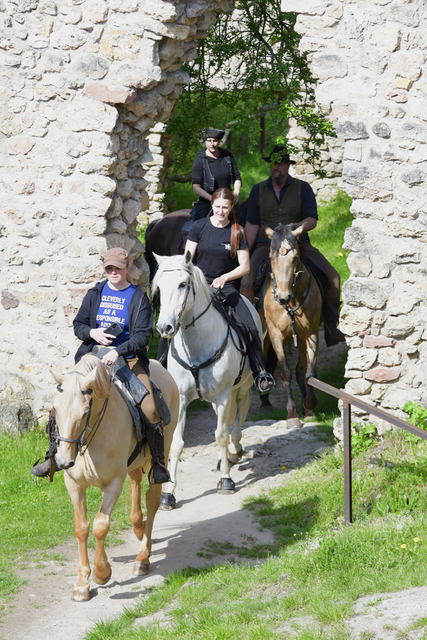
(141, 568)
(167, 502)
(309, 417)
(266, 408)
(234, 458)
(293, 422)
(81, 594)
(100, 580)
(225, 485)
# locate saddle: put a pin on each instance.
(133, 391)
(236, 323)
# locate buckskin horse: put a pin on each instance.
(292, 309)
(206, 360)
(96, 437)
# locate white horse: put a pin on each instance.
(204, 360)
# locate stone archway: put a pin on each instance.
(81, 85)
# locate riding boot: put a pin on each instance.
(330, 320)
(263, 381)
(48, 466)
(156, 442)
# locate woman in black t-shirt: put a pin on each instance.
(213, 168)
(218, 247)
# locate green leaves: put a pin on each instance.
(245, 68)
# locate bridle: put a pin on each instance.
(195, 369)
(88, 433)
(291, 311)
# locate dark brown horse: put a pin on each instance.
(292, 308)
(164, 237)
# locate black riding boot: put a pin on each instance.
(48, 466)
(263, 381)
(330, 321)
(156, 442)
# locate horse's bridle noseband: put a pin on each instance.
(82, 441)
(291, 311)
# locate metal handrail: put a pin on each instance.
(349, 400)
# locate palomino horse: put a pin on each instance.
(292, 309)
(92, 418)
(205, 359)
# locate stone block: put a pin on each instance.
(329, 66)
(372, 342)
(398, 326)
(16, 418)
(38, 297)
(359, 265)
(361, 359)
(352, 130)
(382, 374)
(354, 320)
(20, 144)
(363, 292)
(83, 114)
(389, 357)
(9, 300)
(113, 95)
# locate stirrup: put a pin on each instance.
(158, 475)
(264, 382)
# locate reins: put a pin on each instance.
(195, 369)
(83, 441)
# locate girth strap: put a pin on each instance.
(195, 369)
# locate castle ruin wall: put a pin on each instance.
(370, 59)
(84, 86)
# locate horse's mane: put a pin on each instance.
(178, 262)
(88, 363)
(283, 233)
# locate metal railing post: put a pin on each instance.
(348, 504)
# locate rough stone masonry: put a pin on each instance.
(369, 57)
(82, 85)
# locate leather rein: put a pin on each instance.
(195, 369)
(291, 311)
(88, 433)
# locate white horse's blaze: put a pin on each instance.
(199, 331)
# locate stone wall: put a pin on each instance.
(369, 57)
(84, 84)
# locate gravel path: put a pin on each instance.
(43, 610)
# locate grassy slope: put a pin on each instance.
(317, 566)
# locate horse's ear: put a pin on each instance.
(88, 380)
(187, 257)
(298, 231)
(58, 377)
(269, 232)
(159, 259)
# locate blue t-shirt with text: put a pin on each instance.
(114, 307)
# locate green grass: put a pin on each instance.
(334, 218)
(317, 566)
(35, 514)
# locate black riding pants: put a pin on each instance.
(234, 300)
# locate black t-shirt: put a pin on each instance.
(213, 253)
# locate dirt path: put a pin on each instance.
(43, 610)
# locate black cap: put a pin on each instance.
(279, 151)
(213, 133)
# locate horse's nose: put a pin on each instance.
(284, 300)
(64, 465)
(165, 331)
